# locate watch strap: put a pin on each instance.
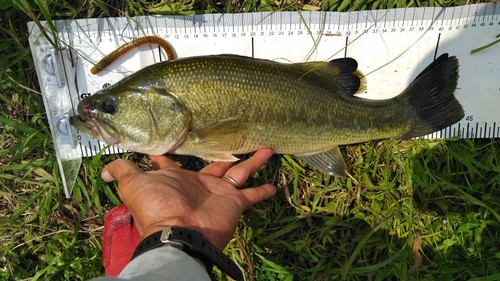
(193, 243)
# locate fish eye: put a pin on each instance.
(109, 105)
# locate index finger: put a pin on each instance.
(117, 169)
(245, 169)
(217, 169)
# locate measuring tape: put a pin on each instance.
(391, 47)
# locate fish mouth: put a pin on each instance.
(97, 129)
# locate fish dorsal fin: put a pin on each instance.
(341, 71)
(330, 162)
(219, 137)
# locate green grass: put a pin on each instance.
(427, 209)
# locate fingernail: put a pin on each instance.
(106, 176)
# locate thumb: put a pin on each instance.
(256, 194)
(117, 169)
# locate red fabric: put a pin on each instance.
(119, 240)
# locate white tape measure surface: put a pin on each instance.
(391, 47)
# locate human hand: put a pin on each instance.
(203, 201)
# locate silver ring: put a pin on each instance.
(231, 181)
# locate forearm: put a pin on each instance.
(164, 263)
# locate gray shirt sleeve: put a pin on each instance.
(164, 263)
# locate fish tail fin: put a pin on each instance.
(431, 97)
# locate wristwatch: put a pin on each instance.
(193, 244)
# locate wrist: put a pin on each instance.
(193, 244)
(215, 238)
(152, 228)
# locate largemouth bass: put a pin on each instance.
(216, 106)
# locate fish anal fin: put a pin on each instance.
(343, 72)
(330, 162)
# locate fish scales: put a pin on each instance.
(217, 106)
(281, 106)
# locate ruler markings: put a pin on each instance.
(437, 46)
(443, 16)
(240, 20)
(81, 149)
(270, 23)
(423, 17)
(245, 18)
(435, 17)
(356, 21)
(402, 21)
(100, 30)
(93, 38)
(467, 15)
(346, 45)
(393, 15)
(413, 17)
(253, 48)
(215, 24)
(329, 17)
(136, 27)
(69, 82)
(281, 21)
(484, 18)
(349, 23)
(159, 53)
(127, 30)
(157, 26)
(223, 20)
(460, 16)
(174, 26)
(484, 15)
(339, 16)
(474, 15)
(387, 18)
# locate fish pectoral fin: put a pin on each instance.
(219, 157)
(215, 141)
(218, 139)
(330, 162)
(222, 133)
(341, 71)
